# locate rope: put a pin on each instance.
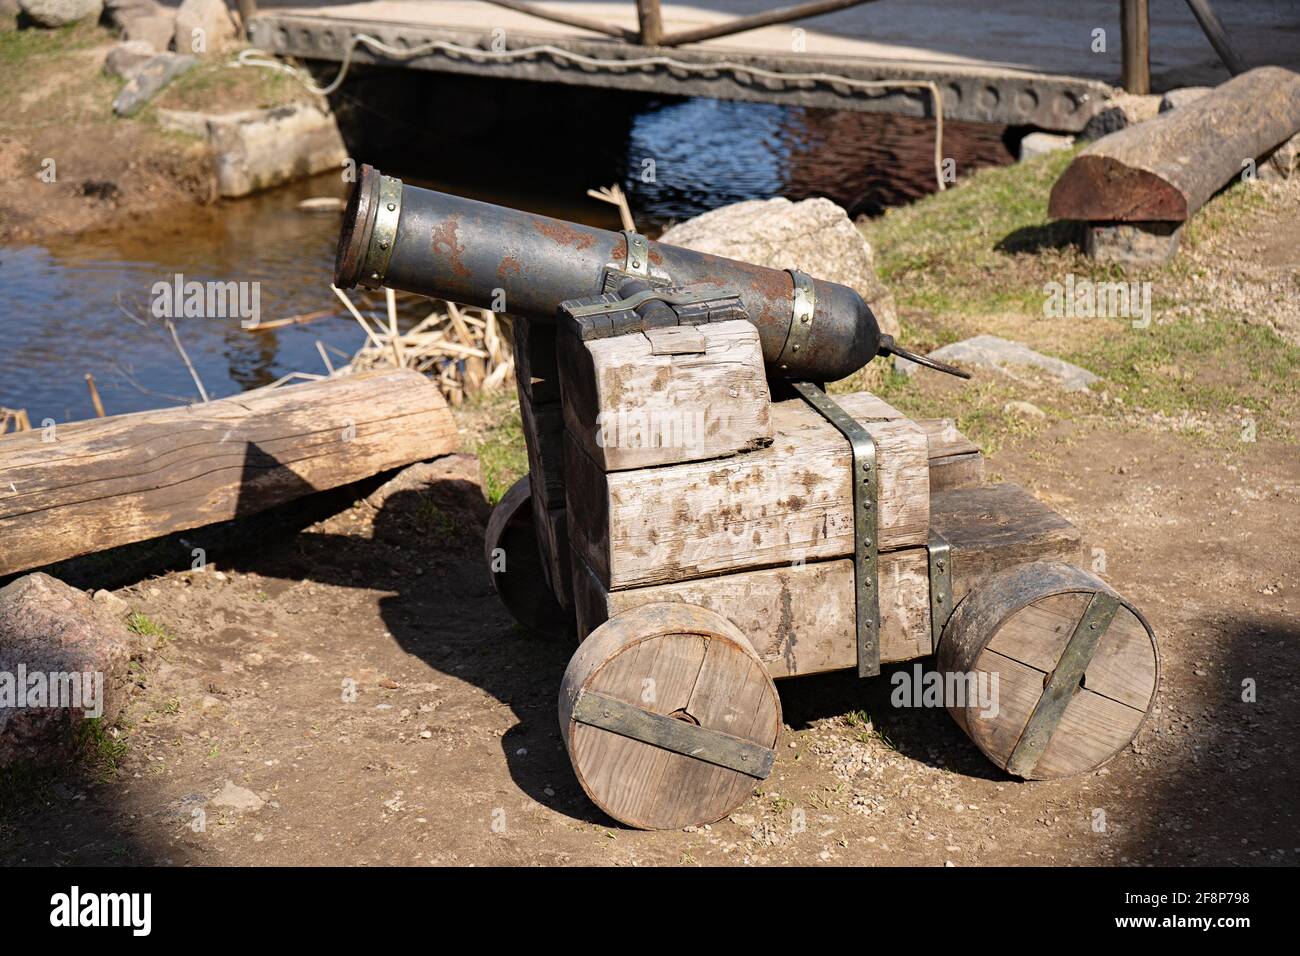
(255, 57)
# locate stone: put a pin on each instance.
(148, 81)
(1282, 162)
(451, 484)
(990, 351)
(154, 29)
(1040, 144)
(183, 121)
(204, 27)
(49, 628)
(126, 57)
(234, 797)
(814, 235)
(121, 12)
(1120, 111)
(258, 149)
(60, 13)
(1181, 97)
(1132, 243)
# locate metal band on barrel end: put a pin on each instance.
(384, 237)
(805, 304)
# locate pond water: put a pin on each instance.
(78, 306)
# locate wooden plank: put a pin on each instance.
(1163, 170)
(543, 427)
(666, 395)
(799, 618)
(992, 527)
(791, 501)
(553, 543)
(536, 368)
(127, 478)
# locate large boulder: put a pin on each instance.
(155, 29)
(63, 659)
(60, 13)
(815, 236)
(121, 12)
(204, 27)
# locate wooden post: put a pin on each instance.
(1218, 37)
(247, 10)
(651, 21)
(1135, 38)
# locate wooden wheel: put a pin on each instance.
(1072, 668)
(669, 716)
(516, 565)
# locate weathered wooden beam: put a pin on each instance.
(1163, 170)
(567, 19)
(798, 11)
(92, 485)
(1212, 26)
(1135, 39)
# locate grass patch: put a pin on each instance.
(19, 47)
(499, 443)
(217, 87)
(138, 623)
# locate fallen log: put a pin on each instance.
(92, 485)
(1165, 169)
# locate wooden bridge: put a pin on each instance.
(1018, 62)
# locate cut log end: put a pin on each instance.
(1102, 188)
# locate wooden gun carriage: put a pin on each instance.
(705, 540)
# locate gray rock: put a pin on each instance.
(990, 351)
(204, 27)
(59, 13)
(121, 12)
(1040, 144)
(126, 57)
(1120, 111)
(259, 149)
(154, 29)
(1181, 97)
(49, 628)
(1132, 243)
(815, 236)
(234, 797)
(1283, 162)
(148, 81)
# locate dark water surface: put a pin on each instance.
(64, 306)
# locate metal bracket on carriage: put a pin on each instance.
(637, 306)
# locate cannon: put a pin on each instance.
(707, 519)
(475, 253)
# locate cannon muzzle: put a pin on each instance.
(479, 254)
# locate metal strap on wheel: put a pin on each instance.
(679, 736)
(865, 547)
(805, 304)
(1063, 683)
(941, 599)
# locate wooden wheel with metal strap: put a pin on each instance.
(669, 716)
(1058, 670)
(516, 566)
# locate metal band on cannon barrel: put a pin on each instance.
(388, 211)
(805, 304)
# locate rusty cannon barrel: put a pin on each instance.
(479, 254)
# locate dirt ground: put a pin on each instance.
(68, 165)
(242, 743)
(450, 752)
